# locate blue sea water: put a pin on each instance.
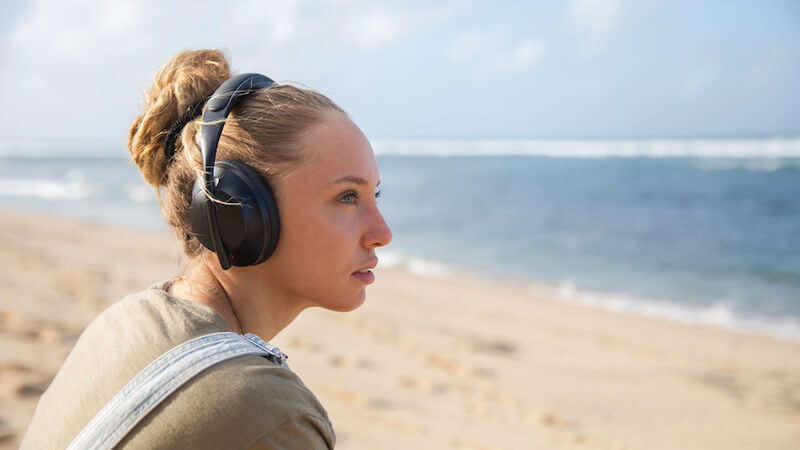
(699, 232)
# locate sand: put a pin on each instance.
(428, 363)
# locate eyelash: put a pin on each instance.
(357, 196)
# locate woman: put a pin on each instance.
(323, 175)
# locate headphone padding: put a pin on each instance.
(249, 228)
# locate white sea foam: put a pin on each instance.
(717, 314)
(777, 147)
(747, 164)
(413, 264)
(63, 149)
(71, 188)
(141, 193)
(774, 147)
(428, 268)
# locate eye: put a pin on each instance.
(350, 197)
(378, 193)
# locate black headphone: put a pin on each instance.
(233, 212)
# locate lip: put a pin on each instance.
(370, 265)
(365, 277)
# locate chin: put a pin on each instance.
(350, 304)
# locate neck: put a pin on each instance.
(241, 296)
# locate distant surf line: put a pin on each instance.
(649, 148)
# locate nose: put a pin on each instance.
(379, 234)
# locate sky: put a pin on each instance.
(76, 70)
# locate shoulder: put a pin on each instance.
(113, 348)
(154, 312)
(231, 405)
(248, 401)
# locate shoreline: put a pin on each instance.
(717, 315)
(429, 363)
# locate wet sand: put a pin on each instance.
(427, 363)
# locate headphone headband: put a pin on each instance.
(224, 99)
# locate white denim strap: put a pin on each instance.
(161, 378)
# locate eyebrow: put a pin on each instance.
(353, 179)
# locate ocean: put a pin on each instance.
(697, 231)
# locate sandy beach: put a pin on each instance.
(459, 363)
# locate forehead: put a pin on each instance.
(335, 148)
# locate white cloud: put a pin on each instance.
(371, 25)
(88, 55)
(491, 53)
(378, 28)
(523, 56)
(271, 24)
(697, 80)
(596, 17)
(471, 45)
(597, 22)
(117, 16)
(55, 30)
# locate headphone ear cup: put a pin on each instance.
(247, 214)
(198, 215)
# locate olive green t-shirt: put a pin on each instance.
(245, 402)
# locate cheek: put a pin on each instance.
(317, 237)
(317, 251)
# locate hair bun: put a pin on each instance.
(186, 79)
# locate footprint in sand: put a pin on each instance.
(451, 366)
(484, 372)
(378, 332)
(305, 344)
(494, 406)
(416, 384)
(350, 361)
(461, 444)
(448, 365)
(50, 334)
(15, 323)
(554, 421)
(33, 389)
(346, 396)
(560, 427)
(422, 385)
(787, 398)
(493, 347)
(724, 382)
(380, 404)
(501, 399)
(403, 426)
(11, 321)
(22, 380)
(6, 432)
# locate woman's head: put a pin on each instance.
(330, 219)
(263, 131)
(284, 132)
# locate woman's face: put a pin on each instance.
(330, 223)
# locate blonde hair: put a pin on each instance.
(264, 131)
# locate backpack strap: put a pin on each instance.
(164, 376)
